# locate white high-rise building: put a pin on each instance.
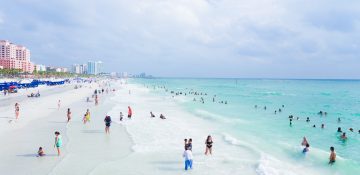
(94, 67)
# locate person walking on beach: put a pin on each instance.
(96, 100)
(68, 114)
(188, 158)
(121, 116)
(332, 157)
(58, 141)
(304, 142)
(59, 104)
(129, 112)
(86, 116)
(17, 110)
(208, 144)
(107, 121)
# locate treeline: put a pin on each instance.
(14, 73)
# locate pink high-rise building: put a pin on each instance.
(15, 57)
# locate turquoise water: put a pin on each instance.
(270, 132)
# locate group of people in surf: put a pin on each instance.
(305, 143)
(188, 156)
(332, 157)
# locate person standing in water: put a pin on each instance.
(68, 115)
(17, 110)
(129, 112)
(59, 104)
(306, 149)
(208, 144)
(58, 141)
(304, 142)
(332, 157)
(188, 158)
(107, 121)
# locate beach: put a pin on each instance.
(246, 140)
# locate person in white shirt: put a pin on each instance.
(188, 158)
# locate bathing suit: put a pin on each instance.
(209, 144)
(107, 121)
(87, 116)
(59, 142)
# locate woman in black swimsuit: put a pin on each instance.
(208, 144)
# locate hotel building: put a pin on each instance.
(14, 56)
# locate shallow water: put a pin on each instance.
(274, 144)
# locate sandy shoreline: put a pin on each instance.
(39, 118)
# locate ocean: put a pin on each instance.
(271, 144)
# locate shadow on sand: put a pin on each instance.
(92, 131)
(35, 155)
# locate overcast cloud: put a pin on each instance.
(192, 38)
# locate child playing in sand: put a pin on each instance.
(41, 152)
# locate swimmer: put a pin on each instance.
(343, 136)
(107, 121)
(256, 106)
(323, 126)
(58, 141)
(314, 126)
(208, 144)
(339, 129)
(279, 110)
(283, 106)
(332, 157)
(351, 129)
(339, 120)
(68, 115)
(275, 111)
(264, 107)
(306, 149)
(304, 142)
(290, 121)
(41, 152)
(307, 119)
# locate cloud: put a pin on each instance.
(191, 37)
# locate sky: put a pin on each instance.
(192, 38)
